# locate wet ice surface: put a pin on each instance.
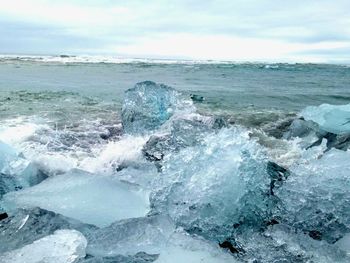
(176, 186)
(61, 247)
(90, 198)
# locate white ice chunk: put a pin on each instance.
(331, 118)
(64, 246)
(185, 248)
(90, 198)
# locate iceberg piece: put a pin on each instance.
(64, 246)
(147, 106)
(210, 187)
(129, 236)
(153, 235)
(184, 132)
(315, 198)
(331, 118)
(26, 226)
(282, 243)
(93, 199)
(7, 155)
(185, 248)
(16, 172)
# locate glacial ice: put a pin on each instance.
(25, 226)
(130, 236)
(15, 171)
(155, 235)
(147, 106)
(210, 187)
(93, 199)
(7, 155)
(331, 118)
(64, 246)
(213, 195)
(182, 132)
(315, 198)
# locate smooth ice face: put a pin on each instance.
(130, 236)
(183, 247)
(7, 155)
(90, 198)
(147, 106)
(316, 197)
(331, 118)
(154, 235)
(214, 185)
(25, 226)
(64, 246)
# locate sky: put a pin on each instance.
(238, 30)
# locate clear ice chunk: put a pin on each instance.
(147, 106)
(315, 197)
(64, 246)
(90, 198)
(155, 235)
(331, 118)
(210, 187)
(25, 226)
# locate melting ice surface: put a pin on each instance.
(64, 246)
(331, 118)
(93, 199)
(179, 186)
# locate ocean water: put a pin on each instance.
(192, 181)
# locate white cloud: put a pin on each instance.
(216, 29)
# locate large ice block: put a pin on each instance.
(90, 198)
(147, 106)
(64, 246)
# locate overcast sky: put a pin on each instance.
(241, 30)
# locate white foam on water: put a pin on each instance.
(127, 150)
(15, 131)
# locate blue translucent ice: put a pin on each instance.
(331, 118)
(147, 106)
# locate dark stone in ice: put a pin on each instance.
(228, 245)
(314, 234)
(272, 222)
(3, 216)
(197, 98)
(26, 226)
(104, 136)
(278, 174)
